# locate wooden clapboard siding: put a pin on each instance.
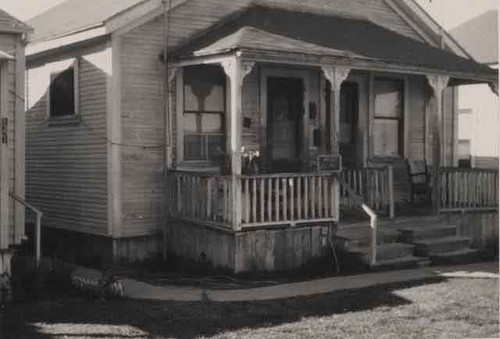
(142, 124)
(67, 164)
(210, 12)
(449, 115)
(251, 110)
(416, 147)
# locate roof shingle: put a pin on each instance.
(76, 15)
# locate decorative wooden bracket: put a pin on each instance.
(438, 83)
(172, 73)
(245, 67)
(494, 87)
(336, 75)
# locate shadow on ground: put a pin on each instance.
(73, 317)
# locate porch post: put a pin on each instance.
(438, 84)
(236, 71)
(336, 76)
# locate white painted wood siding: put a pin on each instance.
(142, 125)
(8, 43)
(67, 164)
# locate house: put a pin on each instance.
(12, 122)
(215, 130)
(478, 107)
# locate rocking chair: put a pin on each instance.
(419, 177)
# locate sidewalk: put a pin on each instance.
(138, 290)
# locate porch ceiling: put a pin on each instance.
(350, 41)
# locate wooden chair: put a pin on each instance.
(419, 177)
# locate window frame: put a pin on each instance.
(403, 120)
(69, 118)
(181, 112)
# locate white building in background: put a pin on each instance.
(479, 122)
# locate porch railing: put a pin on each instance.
(200, 197)
(373, 184)
(271, 199)
(468, 189)
(289, 198)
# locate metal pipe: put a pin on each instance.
(38, 225)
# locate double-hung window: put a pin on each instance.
(204, 113)
(388, 124)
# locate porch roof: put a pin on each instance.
(349, 40)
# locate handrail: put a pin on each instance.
(373, 219)
(38, 226)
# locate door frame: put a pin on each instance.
(282, 72)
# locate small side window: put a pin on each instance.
(63, 93)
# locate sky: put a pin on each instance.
(449, 13)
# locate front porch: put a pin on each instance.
(263, 123)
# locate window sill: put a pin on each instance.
(64, 120)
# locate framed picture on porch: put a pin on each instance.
(329, 163)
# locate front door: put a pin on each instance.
(285, 109)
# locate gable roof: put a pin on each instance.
(10, 24)
(480, 37)
(264, 28)
(74, 16)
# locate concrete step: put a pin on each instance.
(357, 241)
(429, 247)
(412, 234)
(401, 263)
(390, 252)
(411, 222)
(464, 256)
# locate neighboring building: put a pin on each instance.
(216, 154)
(479, 122)
(12, 122)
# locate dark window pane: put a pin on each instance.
(388, 98)
(62, 93)
(194, 147)
(215, 147)
(204, 89)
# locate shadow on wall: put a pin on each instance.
(67, 159)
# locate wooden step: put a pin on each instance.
(360, 241)
(462, 256)
(401, 263)
(412, 234)
(429, 247)
(390, 252)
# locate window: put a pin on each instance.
(204, 113)
(388, 122)
(62, 96)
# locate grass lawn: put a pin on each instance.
(454, 308)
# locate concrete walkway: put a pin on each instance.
(138, 290)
